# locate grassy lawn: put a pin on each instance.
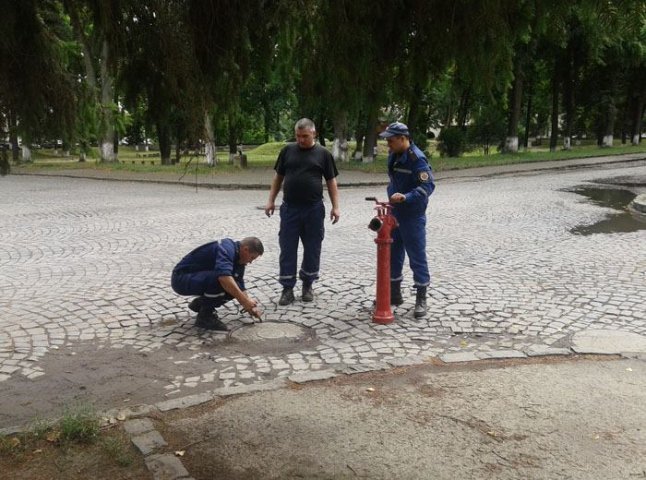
(264, 156)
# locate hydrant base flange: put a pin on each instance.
(383, 318)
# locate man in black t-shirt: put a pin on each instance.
(301, 166)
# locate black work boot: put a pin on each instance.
(286, 297)
(196, 304)
(396, 293)
(420, 302)
(208, 319)
(308, 294)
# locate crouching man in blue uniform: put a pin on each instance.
(411, 184)
(214, 272)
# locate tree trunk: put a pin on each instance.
(359, 134)
(13, 136)
(610, 116)
(115, 144)
(417, 120)
(636, 120)
(232, 140)
(528, 117)
(554, 134)
(209, 139)
(178, 145)
(340, 145)
(26, 154)
(163, 132)
(5, 166)
(107, 96)
(568, 94)
(267, 117)
(463, 110)
(358, 151)
(515, 102)
(320, 128)
(370, 142)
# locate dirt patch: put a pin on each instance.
(95, 374)
(492, 418)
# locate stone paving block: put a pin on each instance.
(367, 367)
(166, 467)
(148, 442)
(608, 342)
(539, 350)
(184, 402)
(312, 376)
(455, 357)
(405, 361)
(494, 354)
(255, 387)
(138, 426)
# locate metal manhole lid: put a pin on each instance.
(270, 331)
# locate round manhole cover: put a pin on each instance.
(270, 331)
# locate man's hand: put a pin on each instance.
(397, 198)
(256, 312)
(269, 208)
(335, 214)
(248, 304)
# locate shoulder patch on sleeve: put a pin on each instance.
(423, 176)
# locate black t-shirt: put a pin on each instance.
(303, 170)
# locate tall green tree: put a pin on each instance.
(36, 91)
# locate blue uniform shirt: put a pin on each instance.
(411, 175)
(221, 257)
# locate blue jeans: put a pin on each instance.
(304, 223)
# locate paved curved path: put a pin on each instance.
(86, 311)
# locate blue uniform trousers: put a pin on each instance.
(410, 238)
(203, 284)
(304, 223)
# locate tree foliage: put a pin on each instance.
(83, 69)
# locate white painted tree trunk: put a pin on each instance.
(635, 139)
(340, 150)
(567, 143)
(607, 141)
(107, 100)
(511, 144)
(26, 153)
(340, 144)
(107, 151)
(209, 148)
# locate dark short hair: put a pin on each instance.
(254, 244)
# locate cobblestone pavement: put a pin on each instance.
(88, 263)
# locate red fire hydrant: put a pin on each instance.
(383, 224)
